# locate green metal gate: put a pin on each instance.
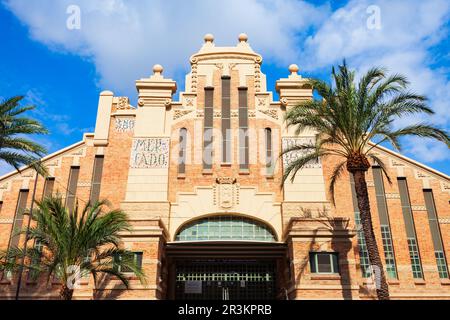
(225, 280)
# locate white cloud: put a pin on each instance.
(430, 151)
(408, 30)
(126, 38)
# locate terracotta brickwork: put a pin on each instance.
(303, 225)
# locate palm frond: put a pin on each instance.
(337, 172)
(381, 164)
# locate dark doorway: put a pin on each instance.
(226, 270)
(225, 280)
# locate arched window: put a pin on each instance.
(182, 154)
(225, 228)
(269, 160)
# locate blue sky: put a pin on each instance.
(62, 71)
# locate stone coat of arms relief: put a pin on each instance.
(226, 192)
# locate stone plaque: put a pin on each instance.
(294, 155)
(150, 153)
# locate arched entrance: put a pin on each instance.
(225, 258)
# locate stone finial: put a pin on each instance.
(158, 69)
(293, 69)
(209, 37)
(243, 37)
(107, 93)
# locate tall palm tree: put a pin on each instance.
(15, 149)
(350, 121)
(75, 244)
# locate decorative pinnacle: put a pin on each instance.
(209, 37)
(158, 69)
(293, 69)
(243, 37)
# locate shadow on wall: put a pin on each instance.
(343, 247)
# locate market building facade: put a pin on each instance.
(200, 179)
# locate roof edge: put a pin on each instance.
(50, 156)
(411, 161)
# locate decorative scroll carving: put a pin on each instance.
(123, 103)
(124, 124)
(168, 102)
(225, 180)
(226, 192)
(217, 114)
(150, 153)
(251, 113)
(296, 154)
(273, 113)
(180, 113)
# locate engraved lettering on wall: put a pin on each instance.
(150, 153)
(294, 155)
(124, 124)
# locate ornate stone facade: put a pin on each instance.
(164, 186)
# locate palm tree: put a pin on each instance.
(71, 245)
(15, 149)
(351, 120)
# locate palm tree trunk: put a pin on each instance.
(366, 222)
(65, 293)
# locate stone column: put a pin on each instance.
(146, 199)
(308, 188)
(147, 186)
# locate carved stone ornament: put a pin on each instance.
(226, 192)
(289, 157)
(189, 102)
(273, 113)
(180, 113)
(123, 103)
